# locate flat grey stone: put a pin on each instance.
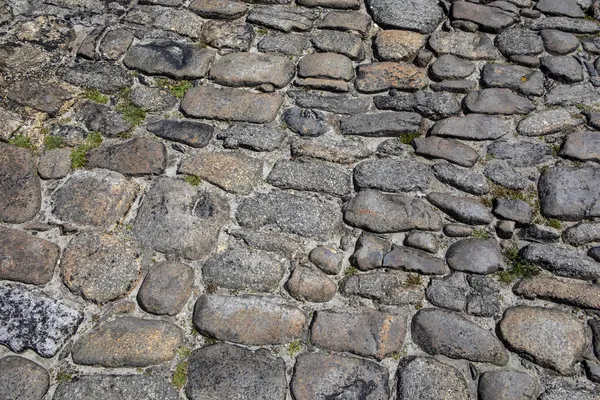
(310, 284)
(166, 288)
(338, 4)
(136, 157)
(520, 79)
(299, 214)
(392, 175)
(382, 212)
(305, 122)
(325, 375)
(503, 174)
(396, 45)
(409, 259)
(152, 99)
(288, 44)
(479, 256)
(345, 43)
(252, 69)
(562, 68)
(316, 176)
(335, 103)
(32, 321)
(539, 233)
(386, 75)
(472, 127)
(278, 243)
(457, 230)
(169, 58)
(559, 43)
(573, 25)
(106, 77)
(115, 44)
(283, 18)
(546, 122)
(180, 21)
(582, 146)
(358, 331)
(22, 379)
(443, 332)
(454, 86)
(194, 134)
(446, 149)
(518, 41)
(520, 154)
(569, 193)
(508, 384)
(561, 261)
(369, 252)
(449, 66)
(327, 260)
(102, 119)
(426, 378)
(220, 9)
(567, 8)
(472, 46)
(346, 21)
(250, 136)
(483, 301)
(582, 233)
(415, 15)
(513, 210)
(223, 370)
(429, 104)
(231, 104)
(126, 387)
(43, 96)
(584, 295)
(55, 164)
(251, 320)
(381, 124)
(566, 391)
(569, 95)
(20, 186)
(244, 269)
(462, 179)
(98, 198)
(448, 292)
(234, 35)
(388, 288)
(464, 209)
(343, 151)
(326, 65)
(128, 342)
(188, 223)
(489, 19)
(423, 241)
(498, 101)
(536, 331)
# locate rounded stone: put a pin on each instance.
(22, 379)
(307, 284)
(425, 378)
(166, 288)
(479, 256)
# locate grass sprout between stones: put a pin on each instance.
(53, 142)
(177, 88)
(95, 95)
(517, 269)
(131, 112)
(79, 154)
(20, 141)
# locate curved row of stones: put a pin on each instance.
(321, 200)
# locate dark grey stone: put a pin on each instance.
(458, 230)
(152, 99)
(426, 378)
(310, 284)
(582, 233)
(429, 104)
(313, 175)
(273, 242)
(305, 122)
(454, 86)
(115, 44)
(573, 25)
(123, 387)
(484, 300)
(195, 134)
(569, 193)
(472, 127)
(540, 233)
(567, 8)
(562, 68)
(464, 209)
(423, 241)
(335, 103)
(472, 46)
(520, 79)
(508, 384)
(101, 118)
(449, 66)
(392, 175)
(448, 292)
(489, 19)
(106, 77)
(463, 179)
(570, 95)
(369, 252)
(513, 210)
(409, 259)
(416, 15)
(43, 96)
(446, 149)
(582, 146)
(520, 154)
(348, 44)
(219, 9)
(519, 41)
(326, 259)
(559, 43)
(561, 261)
(503, 174)
(22, 379)
(381, 124)
(166, 288)
(250, 136)
(346, 21)
(389, 288)
(283, 18)
(289, 44)
(136, 157)
(479, 256)
(497, 101)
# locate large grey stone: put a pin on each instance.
(508, 385)
(425, 378)
(582, 233)
(446, 149)
(136, 157)
(343, 151)
(520, 154)
(472, 46)
(479, 256)
(519, 41)
(22, 379)
(389, 288)
(463, 179)
(415, 15)
(472, 127)
(122, 387)
(582, 146)
(310, 175)
(570, 193)
(44, 97)
(252, 69)
(283, 18)
(381, 124)
(561, 261)
(498, 101)
(448, 66)
(19, 184)
(464, 209)
(409, 259)
(392, 175)
(106, 77)
(489, 19)
(449, 292)
(520, 79)
(546, 122)
(310, 284)
(194, 134)
(251, 136)
(166, 288)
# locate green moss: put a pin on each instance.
(79, 154)
(412, 280)
(407, 138)
(95, 95)
(208, 341)
(554, 223)
(131, 112)
(480, 233)
(64, 377)
(193, 180)
(555, 149)
(53, 142)
(178, 89)
(518, 271)
(294, 348)
(184, 352)
(180, 375)
(350, 271)
(588, 108)
(261, 30)
(20, 141)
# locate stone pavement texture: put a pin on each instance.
(300, 199)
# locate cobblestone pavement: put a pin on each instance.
(318, 199)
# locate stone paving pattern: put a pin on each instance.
(300, 199)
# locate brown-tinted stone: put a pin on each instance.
(128, 342)
(233, 172)
(97, 198)
(166, 288)
(19, 184)
(251, 320)
(398, 45)
(231, 104)
(26, 258)
(136, 157)
(307, 284)
(99, 267)
(365, 332)
(378, 77)
(222, 9)
(55, 164)
(326, 66)
(45, 97)
(578, 294)
(252, 69)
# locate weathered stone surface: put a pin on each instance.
(508, 384)
(520, 79)
(128, 342)
(568, 193)
(166, 288)
(519, 41)
(540, 233)
(394, 45)
(115, 44)
(472, 46)
(448, 66)
(450, 334)
(326, 259)
(369, 252)
(235, 35)
(221, 9)
(45, 97)
(581, 295)
(175, 218)
(472, 127)
(551, 338)
(561, 261)
(288, 44)
(520, 154)
(569, 95)
(426, 378)
(429, 104)
(310, 175)
(389, 288)
(497, 101)
(446, 149)
(489, 19)
(285, 245)
(250, 136)
(152, 99)
(231, 104)
(194, 134)
(503, 174)
(346, 43)
(336, 103)
(380, 124)
(559, 43)
(381, 76)
(282, 18)
(546, 122)
(308, 284)
(562, 68)
(177, 20)
(582, 146)
(423, 241)
(568, 8)
(565, 24)
(365, 332)
(465, 180)
(582, 233)
(300, 214)
(244, 269)
(99, 198)
(101, 118)
(346, 21)
(123, 387)
(391, 175)
(99, 267)
(463, 209)
(106, 77)
(480, 256)
(231, 171)
(410, 259)
(22, 379)
(252, 69)
(248, 320)
(449, 292)
(341, 4)
(415, 15)
(513, 209)
(135, 157)
(173, 59)
(19, 184)
(26, 258)
(224, 370)
(37, 322)
(381, 212)
(454, 86)
(304, 122)
(325, 375)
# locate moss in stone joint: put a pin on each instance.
(96, 96)
(53, 142)
(517, 269)
(294, 348)
(64, 377)
(193, 180)
(350, 271)
(20, 141)
(180, 375)
(412, 280)
(407, 138)
(480, 233)
(79, 154)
